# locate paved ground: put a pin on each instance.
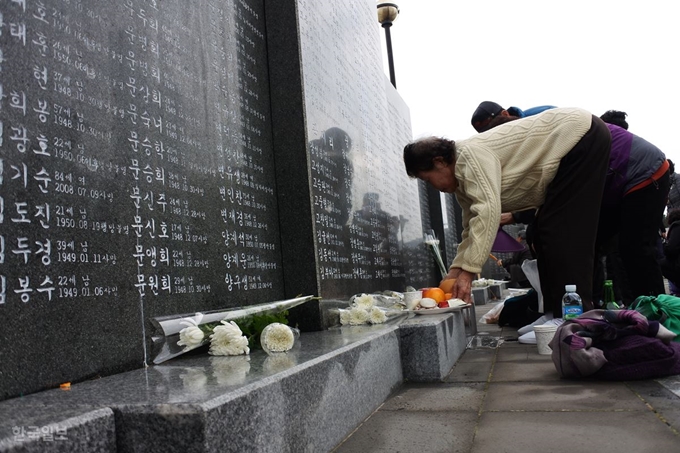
(503, 396)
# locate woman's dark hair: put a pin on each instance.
(616, 118)
(419, 155)
(673, 216)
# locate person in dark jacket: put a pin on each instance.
(670, 263)
(636, 191)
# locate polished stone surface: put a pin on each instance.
(146, 179)
(365, 233)
(310, 397)
(192, 167)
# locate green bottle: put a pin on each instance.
(609, 302)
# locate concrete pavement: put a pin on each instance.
(502, 396)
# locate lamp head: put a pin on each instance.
(387, 13)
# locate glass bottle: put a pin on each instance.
(609, 301)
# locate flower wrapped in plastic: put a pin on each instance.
(432, 242)
(363, 301)
(179, 334)
(228, 339)
(277, 337)
(192, 336)
(355, 316)
(387, 299)
(377, 316)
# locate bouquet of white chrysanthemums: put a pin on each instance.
(368, 309)
(231, 332)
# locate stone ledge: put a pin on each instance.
(431, 345)
(50, 429)
(306, 400)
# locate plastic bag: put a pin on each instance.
(530, 268)
(663, 308)
(491, 316)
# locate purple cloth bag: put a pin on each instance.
(614, 345)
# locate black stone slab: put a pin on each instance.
(366, 227)
(136, 178)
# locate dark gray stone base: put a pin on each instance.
(43, 428)
(306, 400)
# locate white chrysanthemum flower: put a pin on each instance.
(228, 340)
(191, 336)
(377, 316)
(345, 317)
(277, 337)
(365, 302)
(357, 316)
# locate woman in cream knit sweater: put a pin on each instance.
(556, 162)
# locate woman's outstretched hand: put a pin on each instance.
(462, 289)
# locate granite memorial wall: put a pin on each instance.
(148, 167)
(367, 225)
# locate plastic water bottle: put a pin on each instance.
(572, 306)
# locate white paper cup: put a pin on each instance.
(412, 298)
(543, 336)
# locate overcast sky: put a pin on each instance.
(594, 54)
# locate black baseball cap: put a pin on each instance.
(485, 111)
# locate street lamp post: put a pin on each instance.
(387, 13)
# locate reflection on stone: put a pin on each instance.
(194, 380)
(280, 361)
(230, 370)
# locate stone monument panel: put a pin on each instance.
(452, 226)
(415, 257)
(356, 133)
(136, 177)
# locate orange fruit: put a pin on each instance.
(448, 296)
(447, 285)
(435, 293)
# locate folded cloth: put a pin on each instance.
(614, 345)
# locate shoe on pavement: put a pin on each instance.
(528, 338)
(530, 327)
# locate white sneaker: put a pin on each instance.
(554, 322)
(530, 327)
(528, 338)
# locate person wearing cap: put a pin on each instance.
(556, 161)
(634, 199)
(488, 110)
